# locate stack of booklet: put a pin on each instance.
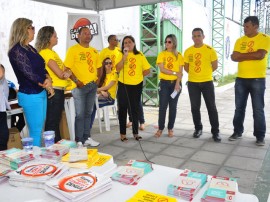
(132, 172)
(54, 152)
(69, 143)
(221, 189)
(80, 157)
(36, 173)
(78, 186)
(187, 184)
(4, 170)
(15, 158)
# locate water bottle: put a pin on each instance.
(48, 138)
(27, 143)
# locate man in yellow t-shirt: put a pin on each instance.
(200, 62)
(250, 51)
(83, 60)
(112, 51)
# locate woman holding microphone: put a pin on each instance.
(132, 66)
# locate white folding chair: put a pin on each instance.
(106, 112)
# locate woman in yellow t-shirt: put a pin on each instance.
(170, 63)
(106, 88)
(46, 40)
(132, 66)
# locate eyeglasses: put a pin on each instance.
(108, 63)
(168, 42)
(31, 27)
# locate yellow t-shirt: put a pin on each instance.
(200, 63)
(83, 62)
(252, 68)
(112, 54)
(48, 55)
(132, 72)
(171, 63)
(113, 76)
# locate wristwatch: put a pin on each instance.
(174, 73)
(76, 80)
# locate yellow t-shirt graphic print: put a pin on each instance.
(200, 63)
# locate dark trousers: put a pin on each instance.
(195, 90)
(141, 114)
(166, 88)
(18, 124)
(129, 97)
(55, 106)
(4, 133)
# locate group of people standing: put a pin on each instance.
(119, 72)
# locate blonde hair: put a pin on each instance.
(44, 37)
(174, 42)
(19, 32)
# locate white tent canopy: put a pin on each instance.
(99, 5)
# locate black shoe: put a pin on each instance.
(260, 142)
(197, 133)
(235, 136)
(216, 137)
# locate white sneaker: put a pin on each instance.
(79, 144)
(91, 142)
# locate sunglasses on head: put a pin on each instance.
(168, 42)
(108, 63)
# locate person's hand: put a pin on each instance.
(79, 84)
(50, 91)
(177, 87)
(67, 73)
(104, 94)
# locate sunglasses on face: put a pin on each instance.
(108, 63)
(168, 42)
(31, 27)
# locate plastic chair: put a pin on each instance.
(106, 114)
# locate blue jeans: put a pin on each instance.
(34, 108)
(195, 89)
(166, 88)
(55, 106)
(256, 89)
(102, 103)
(84, 100)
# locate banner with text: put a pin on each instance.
(77, 21)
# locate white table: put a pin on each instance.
(156, 181)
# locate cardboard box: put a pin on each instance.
(14, 140)
(64, 132)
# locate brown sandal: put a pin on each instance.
(158, 133)
(137, 137)
(170, 133)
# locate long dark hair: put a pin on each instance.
(103, 72)
(135, 51)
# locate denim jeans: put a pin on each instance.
(4, 133)
(84, 100)
(55, 106)
(129, 96)
(256, 89)
(195, 89)
(102, 103)
(34, 109)
(166, 88)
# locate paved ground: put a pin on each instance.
(241, 159)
